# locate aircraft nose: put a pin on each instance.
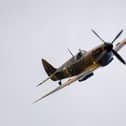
(108, 46)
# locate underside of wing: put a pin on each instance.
(58, 88)
(70, 81)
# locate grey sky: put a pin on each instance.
(32, 29)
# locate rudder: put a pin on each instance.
(48, 67)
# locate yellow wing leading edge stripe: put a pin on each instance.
(71, 80)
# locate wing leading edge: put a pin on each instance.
(58, 88)
(70, 81)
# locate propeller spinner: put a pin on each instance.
(109, 46)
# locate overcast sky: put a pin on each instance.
(35, 29)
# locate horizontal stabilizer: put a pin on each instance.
(43, 82)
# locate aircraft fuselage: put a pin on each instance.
(83, 60)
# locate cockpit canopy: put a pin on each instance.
(80, 54)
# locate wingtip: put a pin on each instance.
(35, 102)
(38, 100)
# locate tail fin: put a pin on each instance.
(48, 67)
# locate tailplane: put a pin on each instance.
(49, 70)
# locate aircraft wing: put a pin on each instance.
(119, 45)
(68, 82)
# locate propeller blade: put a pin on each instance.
(117, 36)
(97, 35)
(118, 56)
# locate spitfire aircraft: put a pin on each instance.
(82, 65)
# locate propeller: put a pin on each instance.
(117, 36)
(109, 46)
(118, 56)
(97, 35)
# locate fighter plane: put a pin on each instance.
(82, 65)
